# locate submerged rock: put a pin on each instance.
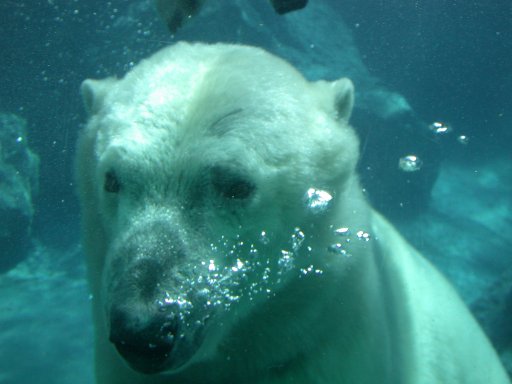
(19, 174)
(175, 13)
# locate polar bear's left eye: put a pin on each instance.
(111, 184)
(231, 185)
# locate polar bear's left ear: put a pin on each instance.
(93, 93)
(343, 97)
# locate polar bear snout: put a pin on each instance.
(142, 333)
(155, 314)
(145, 345)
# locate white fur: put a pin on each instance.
(288, 310)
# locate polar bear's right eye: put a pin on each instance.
(231, 185)
(111, 184)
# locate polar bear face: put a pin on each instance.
(207, 176)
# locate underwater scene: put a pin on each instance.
(255, 191)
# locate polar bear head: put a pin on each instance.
(211, 178)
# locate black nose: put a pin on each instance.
(145, 345)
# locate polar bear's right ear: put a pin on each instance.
(93, 93)
(343, 97)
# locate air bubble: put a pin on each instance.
(297, 239)
(264, 238)
(362, 235)
(180, 301)
(317, 200)
(440, 128)
(337, 249)
(285, 261)
(463, 139)
(410, 163)
(343, 231)
(266, 274)
(203, 293)
(311, 269)
(239, 265)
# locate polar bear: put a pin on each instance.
(228, 240)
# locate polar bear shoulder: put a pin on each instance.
(445, 343)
